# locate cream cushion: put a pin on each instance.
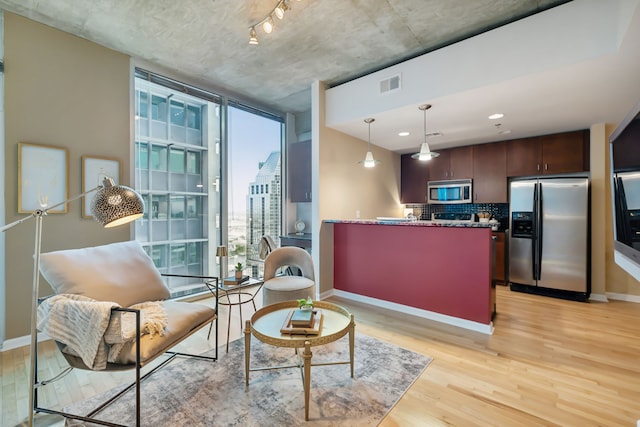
(119, 272)
(185, 318)
(286, 288)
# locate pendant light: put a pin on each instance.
(369, 161)
(425, 153)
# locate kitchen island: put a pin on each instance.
(437, 271)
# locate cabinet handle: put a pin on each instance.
(538, 167)
(451, 174)
(546, 166)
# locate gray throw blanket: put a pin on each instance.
(89, 331)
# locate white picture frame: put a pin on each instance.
(43, 177)
(94, 169)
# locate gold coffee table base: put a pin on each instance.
(265, 325)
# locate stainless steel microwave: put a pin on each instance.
(450, 191)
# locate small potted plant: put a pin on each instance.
(239, 268)
(305, 304)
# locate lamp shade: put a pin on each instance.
(221, 251)
(425, 153)
(369, 161)
(115, 205)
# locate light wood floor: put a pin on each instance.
(549, 362)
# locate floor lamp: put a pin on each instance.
(111, 206)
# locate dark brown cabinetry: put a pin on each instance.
(550, 154)
(414, 175)
(491, 164)
(626, 156)
(299, 171)
(500, 267)
(454, 163)
(490, 173)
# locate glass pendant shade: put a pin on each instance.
(115, 205)
(369, 161)
(425, 153)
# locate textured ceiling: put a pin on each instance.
(329, 40)
(572, 65)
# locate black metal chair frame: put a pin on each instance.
(138, 366)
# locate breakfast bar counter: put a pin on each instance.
(432, 270)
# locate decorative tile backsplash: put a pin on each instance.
(499, 211)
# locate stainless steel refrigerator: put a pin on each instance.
(549, 246)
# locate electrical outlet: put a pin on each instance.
(357, 214)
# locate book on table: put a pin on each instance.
(312, 328)
(233, 281)
(302, 318)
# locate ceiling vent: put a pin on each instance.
(390, 85)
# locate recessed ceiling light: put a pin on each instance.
(403, 134)
(496, 116)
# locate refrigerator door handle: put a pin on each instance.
(534, 234)
(539, 232)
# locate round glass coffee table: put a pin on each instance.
(266, 323)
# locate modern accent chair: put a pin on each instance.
(120, 275)
(279, 288)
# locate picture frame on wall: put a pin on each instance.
(43, 177)
(94, 170)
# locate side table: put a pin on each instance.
(231, 295)
(265, 325)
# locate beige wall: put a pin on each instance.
(64, 91)
(342, 186)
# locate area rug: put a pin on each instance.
(199, 393)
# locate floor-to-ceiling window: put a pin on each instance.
(177, 173)
(254, 184)
(179, 144)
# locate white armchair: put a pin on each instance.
(286, 287)
(120, 275)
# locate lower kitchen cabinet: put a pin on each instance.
(500, 272)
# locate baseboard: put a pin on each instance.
(23, 341)
(425, 314)
(598, 297)
(624, 297)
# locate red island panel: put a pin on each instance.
(445, 270)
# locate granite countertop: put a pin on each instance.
(409, 223)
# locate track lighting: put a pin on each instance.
(267, 26)
(253, 37)
(279, 12)
(425, 153)
(369, 161)
(267, 22)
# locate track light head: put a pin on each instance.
(253, 36)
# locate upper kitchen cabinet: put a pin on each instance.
(565, 152)
(454, 163)
(549, 154)
(490, 173)
(299, 171)
(626, 156)
(414, 175)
